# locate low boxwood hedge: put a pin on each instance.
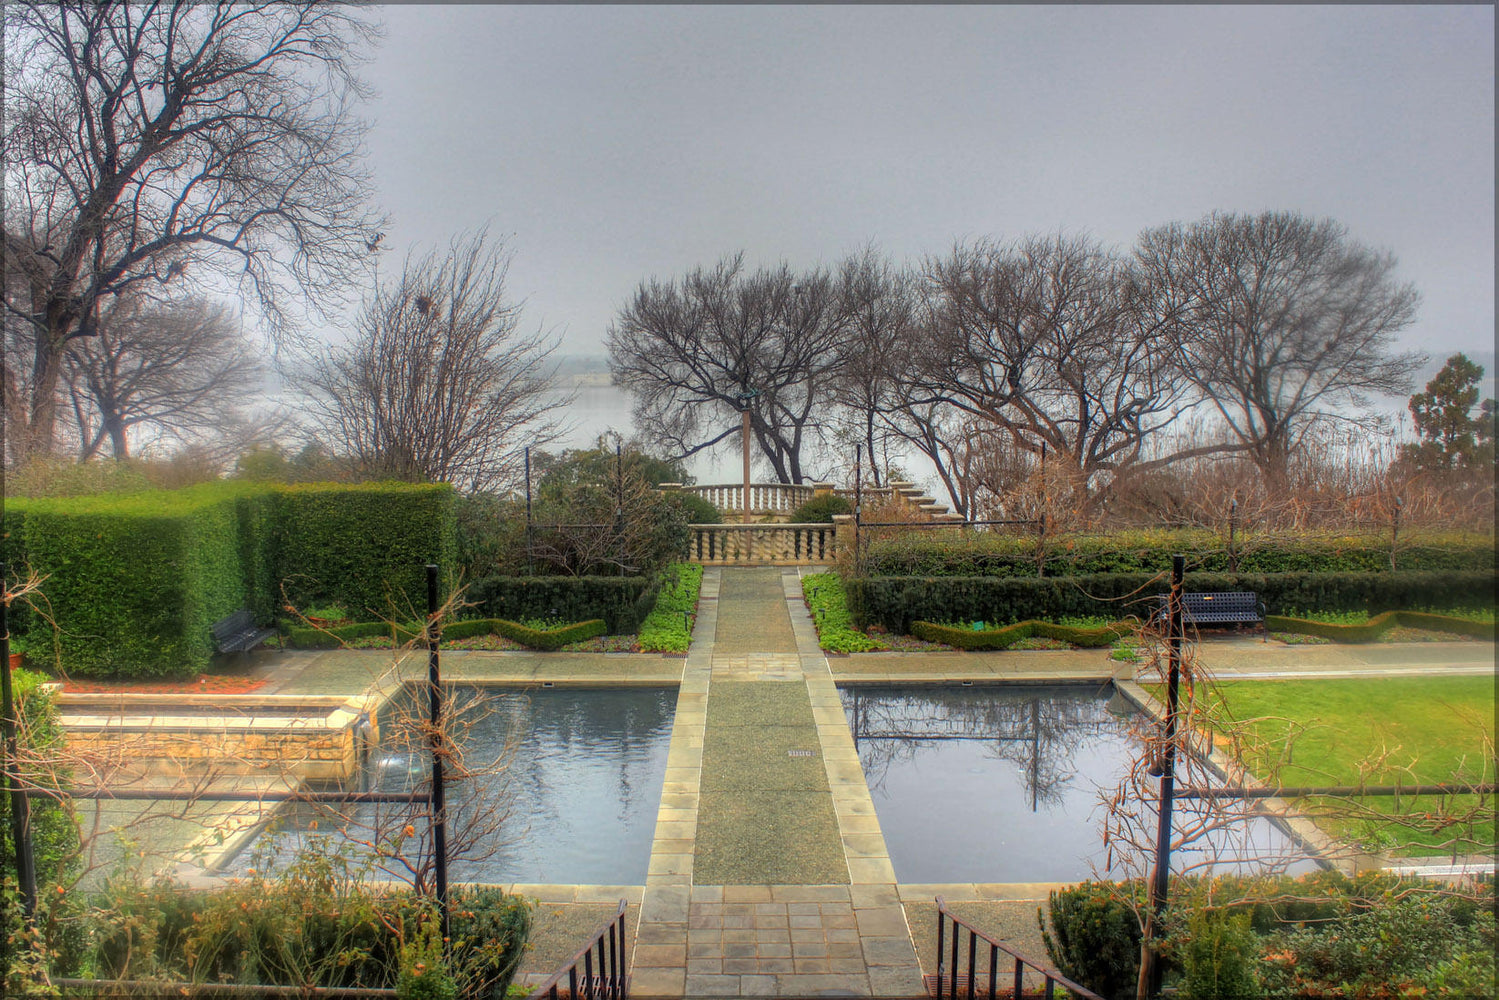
(621, 601)
(967, 553)
(1005, 636)
(897, 601)
(1379, 624)
(532, 638)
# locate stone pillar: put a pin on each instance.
(821, 490)
(845, 532)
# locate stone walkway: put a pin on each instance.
(848, 937)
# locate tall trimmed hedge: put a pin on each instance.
(364, 546)
(136, 581)
(621, 601)
(896, 601)
(967, 553)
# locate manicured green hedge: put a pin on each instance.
(310, 638)
(1007, 635)
(136, 581)
(363, 546)
(1379, 624)
(621, 601)
(897, 601)
(967, 553)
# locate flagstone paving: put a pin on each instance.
(780, 797)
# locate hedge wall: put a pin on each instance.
(136, 581)
(896, 601)
(364, 546)
(621, 601)
(956, 553)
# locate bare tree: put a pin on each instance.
(1044, 340)
(438, 382)
(175, 143)
(179, 371)
(1277, 320)
(695, 352)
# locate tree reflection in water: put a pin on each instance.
(1038, 729)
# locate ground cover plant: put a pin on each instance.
(828, 604)
(668, 628)
(1385, 730)
(543, 634)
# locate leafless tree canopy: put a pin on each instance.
(691, 349)
(438, 382)
(176, 371)
(1276, 319)
(172, 144)
(1044, 340)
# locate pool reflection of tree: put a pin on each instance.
(1035, 728)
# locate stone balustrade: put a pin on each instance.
(762, 544)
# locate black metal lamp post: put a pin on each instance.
(20, 805)
(434, 701)
(1160, 880)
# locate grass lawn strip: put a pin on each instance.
(764, 817)
(1430, 726)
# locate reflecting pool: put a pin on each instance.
(564, 787)
(1000, 783)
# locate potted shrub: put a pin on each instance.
(328, 616)
(17, 652)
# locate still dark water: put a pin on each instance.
(997, 784)
(576, 773)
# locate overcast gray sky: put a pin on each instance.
(609, 144)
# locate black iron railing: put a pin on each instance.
(981, 956)
(599, 970)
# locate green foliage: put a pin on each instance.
(424, 975)
(1004, 636)
(54, 834)
(135, 582)
(527, 635)
(828, 604)
(1452, 436)
(364, 546)
(1094, 937)
(696, 509)
(621, 601)
(896, 602)
(668, 628)
(320, 924)
(1371, 628)
(556, 475)
(952, 552)
(1218, 956)
(491, 535)
(55, 477)
(554, 638)
(821, 509)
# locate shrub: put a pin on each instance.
(668, 628)
(1219, 957)
(1370, 630)
(964, 553)
(829, 606)
(54, 836)
(696, 509)
(135, 582)
(1094, 937)
(896, 602)
(364, 546)
(532, 638)
(1007, 635)
(821, 509)
(621, 601)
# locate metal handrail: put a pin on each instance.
(611, 980)
(948, 980)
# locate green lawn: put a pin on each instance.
(1392, 730)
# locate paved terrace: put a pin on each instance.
(769, 874)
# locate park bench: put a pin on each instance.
(1218, 609)
(238, 633)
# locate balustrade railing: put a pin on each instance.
(600, 969)
(982, 959)
(765, 498)
(762, 544)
